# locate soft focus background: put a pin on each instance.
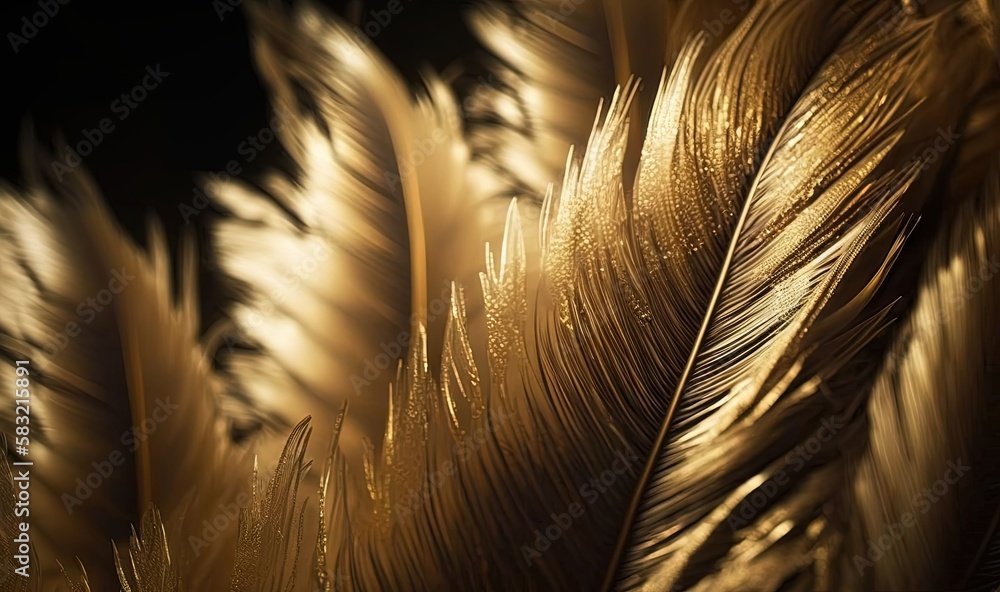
(66, 78)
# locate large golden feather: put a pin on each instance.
(676, 368)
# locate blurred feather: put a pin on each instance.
(926, 409)
(554, 61)
(109, 380)
(375, 225)
(268, 545)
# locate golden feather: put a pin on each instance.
(652, 380)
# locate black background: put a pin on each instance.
(66, 77)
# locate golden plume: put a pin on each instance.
(676, 367)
